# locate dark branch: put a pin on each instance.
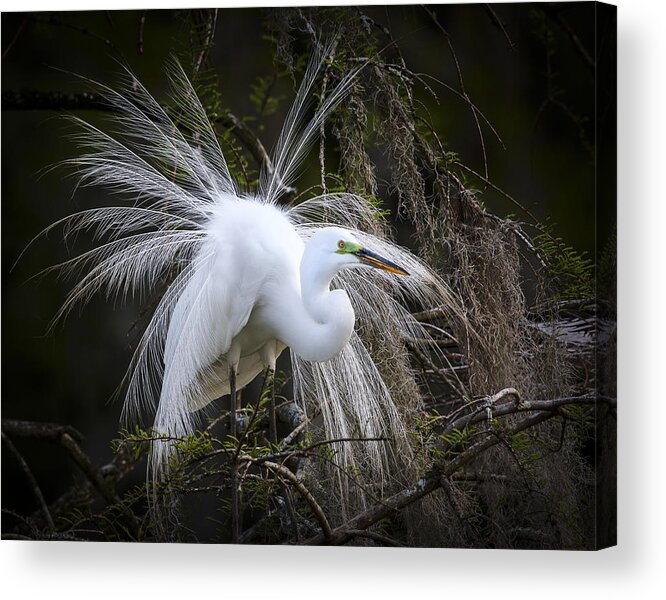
(545, 409)
(34, 486)
(54, 100)
(498, 23)
(556, 16)
(142, 25)
(86, 466)
(305, 493)
(58, 22)
(43, 431)
(62, 101)
(420, 489)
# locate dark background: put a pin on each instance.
(533, 80)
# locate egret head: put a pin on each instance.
(341, 248)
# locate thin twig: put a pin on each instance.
(86, 466)
(142, 24)
(544, 410)
(461, 82)
(508, 408)
(376, 537)
(15, 38)
(206, 43)
(556, 16)
(443, 373)
(498, 23)
(62, 101)
(37, 430)
(53, 100)
(34, 486)
(421, 488)
(56, 21)
(288, 439)
(304, 492)
(487, 181)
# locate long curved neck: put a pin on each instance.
(322, 322)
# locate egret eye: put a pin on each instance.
(341, 245)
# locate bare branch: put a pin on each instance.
(53, 100)
(58, 22)
(376, 537)
(42, 431)
(556, 16)
(547, 409)
(142, 24)
(84, 463)
(20, 29)
(498, 23)
(433, 16)
(487, 181)
(304, 492)
(34, 486)
(61, 101)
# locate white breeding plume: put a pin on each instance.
(248, 277)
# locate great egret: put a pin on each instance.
(268, 291)
(252, 277)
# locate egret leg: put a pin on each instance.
(232, 402)
(235, 499)
(269, 354)
(272, 421)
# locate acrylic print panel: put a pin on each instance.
(331, 276)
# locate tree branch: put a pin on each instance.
(498, 23)
(62, 101)
(34, 486)
(122, 463)
(58, 22)
(556, 16)
(546, 409)
(42, 431)
(86, 466)
(304, 492)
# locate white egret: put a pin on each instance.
(252, 277)
(266, 291)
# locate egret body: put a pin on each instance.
(269, 290)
